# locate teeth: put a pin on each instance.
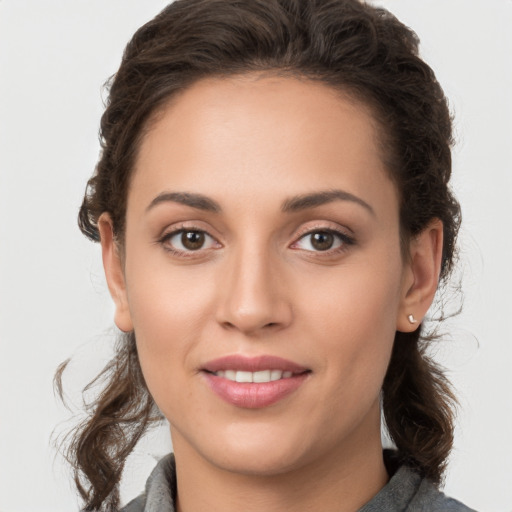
(275, 374)
(229, 374)
(261, 376)
(243, 376)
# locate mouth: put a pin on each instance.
(253, 382)
(257, 377)
(255, 365)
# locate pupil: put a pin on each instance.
(192, 240)
(322, 241)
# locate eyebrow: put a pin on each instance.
(290, 205)
(306, 201)
(198, 201)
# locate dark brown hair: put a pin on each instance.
(346, 44)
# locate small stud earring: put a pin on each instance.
(412, 320)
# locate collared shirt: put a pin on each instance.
(406, 491)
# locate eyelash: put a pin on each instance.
(344, 239)
(164, 241)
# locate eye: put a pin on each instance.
(188, 240)
(321, 241)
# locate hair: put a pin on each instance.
(348, 45)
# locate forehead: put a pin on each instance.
(225, 136)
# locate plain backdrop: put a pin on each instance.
(54, 57)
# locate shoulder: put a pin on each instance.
(160, 489)
(136, 505)
(407, 491)
(429, 498)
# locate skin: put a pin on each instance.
(259, 286)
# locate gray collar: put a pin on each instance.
(406, 491)
(160, 492)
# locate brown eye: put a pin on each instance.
(188, 240)
(322, 240)
(192, 240)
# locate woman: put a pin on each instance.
(273, 207)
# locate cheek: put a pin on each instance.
(362, 296)
(352, 317)
(168, 308)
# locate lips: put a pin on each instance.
(253, 364)
(253, 382)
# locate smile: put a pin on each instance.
(253, 382)
(256, 377)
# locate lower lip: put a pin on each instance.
(252, 395)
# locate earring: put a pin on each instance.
(411, 319)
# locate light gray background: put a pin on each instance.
(54, 56)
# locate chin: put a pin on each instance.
(257, 450)
(264, 461)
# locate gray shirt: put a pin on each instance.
(406, 491)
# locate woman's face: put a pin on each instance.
(262, 242)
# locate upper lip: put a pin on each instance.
(253, 364)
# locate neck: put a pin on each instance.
(340, 481)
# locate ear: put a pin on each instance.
(421, 276)
(114, 273)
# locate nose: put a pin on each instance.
(254, 297)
